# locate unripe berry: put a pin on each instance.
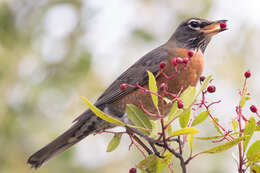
(123, 86)
(190, 53)
(223, 25)
(211, 89)
(162, 64)
(186, 60)
(179, 60)
(132, 170)
(253, 109)
(247, 74)
(180, 104)
(174, 61)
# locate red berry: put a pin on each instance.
(253, 109)
(185, 60)
(247, 74)
(162, 64)
(223, 25)
(132, 170)
(180, 104)
(202, 78)
(190, 53)
(123, 86)
(174, 61)
(211, 89)
(179, 60)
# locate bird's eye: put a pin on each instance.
(194, 24)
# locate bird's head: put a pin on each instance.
(196, 33)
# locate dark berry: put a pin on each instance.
(223, 25)
(185, 60)
(211, 89)
(202, 78)
(190, 53)
(162, 64)
(253, 109)
(132, 170)
(180, 104)
(123, 86)
(247, 74)
(174, 61)
(179, 60)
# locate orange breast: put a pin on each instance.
(187, 77)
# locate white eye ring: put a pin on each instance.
(194, 24)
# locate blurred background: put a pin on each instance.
(54, 51)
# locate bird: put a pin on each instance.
(191, 34)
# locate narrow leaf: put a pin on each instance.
(234, 124)
(163, 162)
(148, 164)
(115, 141)
(249, 130)
(185, 131)
(153, 88)
(253, 153)
(216, 126)
(184, 119)
(190, 140)
(187, 96)
(224, 146)
(200, 118)
(209, 137)
(138, 117)
(102, 115)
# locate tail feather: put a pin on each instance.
(77, 132)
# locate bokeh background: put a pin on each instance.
(54, 51)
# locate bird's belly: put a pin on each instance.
(189, 76)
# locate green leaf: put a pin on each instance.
(155, 129)
(216, 126)
(253, 153)
(224, 146)
(190, 140)
(138, 117)
(154, 164)
(153, 88)
(248, 131)
(175, 112)
(234, 124)
(184, 119)
(209, 137)
(255, 168)
(200, 118)
(257, 128)
(102, 115)
(187, 96)
(169, 130)
(185, 131)
(115, 141)
(163, 162)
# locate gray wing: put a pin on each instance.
(137, 73)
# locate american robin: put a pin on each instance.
(191, 34)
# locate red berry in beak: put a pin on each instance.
(190, 53)
(179, 60)
(180, 104)
(253, 109)
(162, 65)
(223, 25)
(132, 170)
(123, 86)
(247, 74)
(211, 89)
